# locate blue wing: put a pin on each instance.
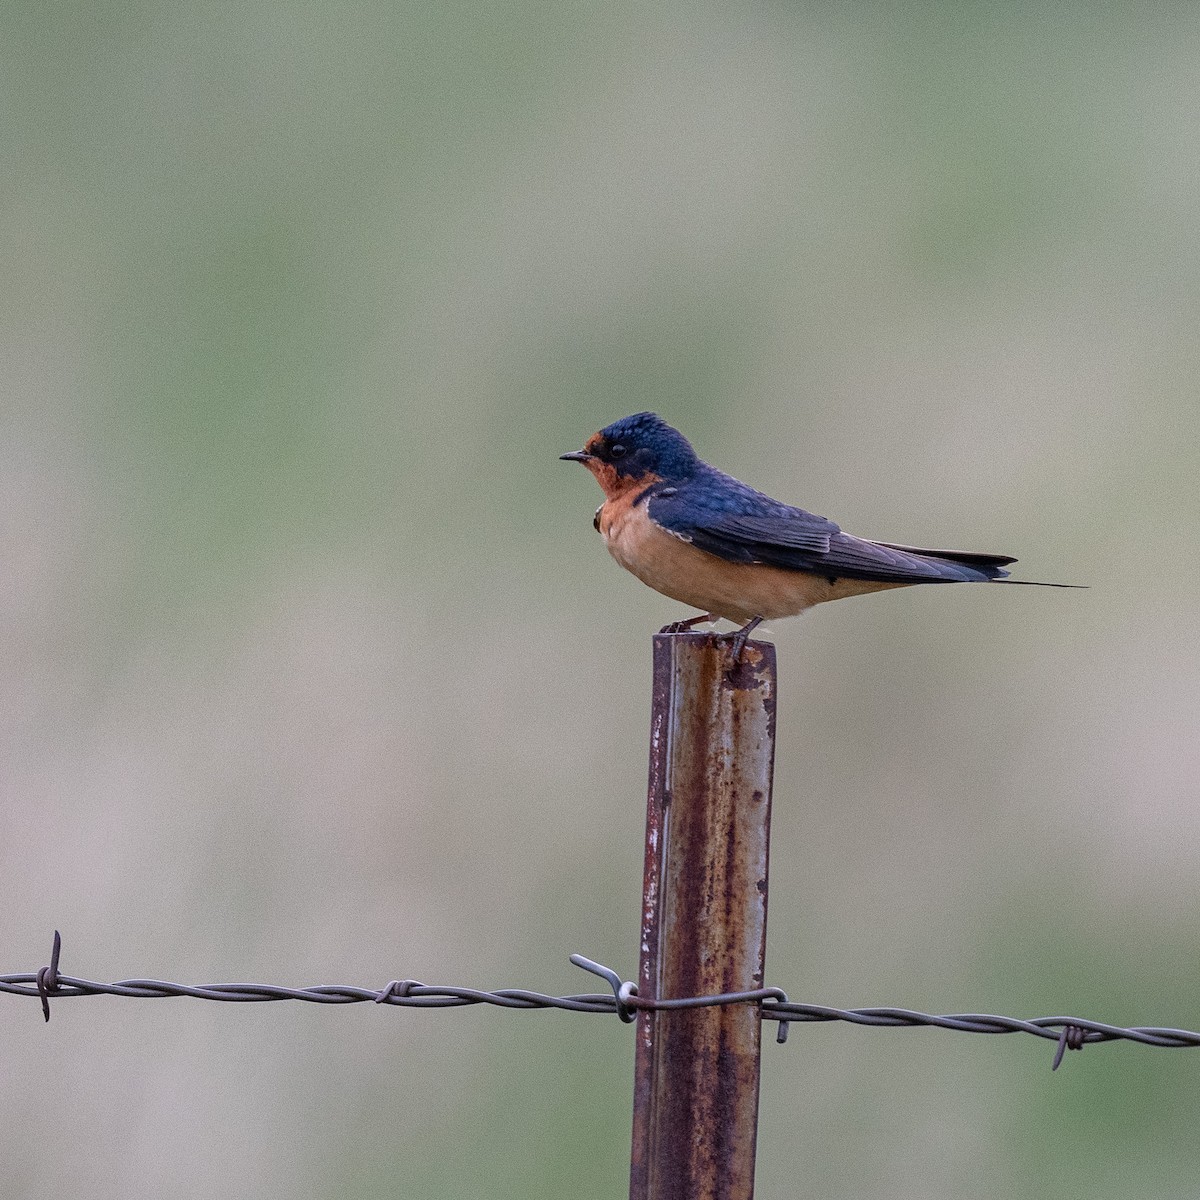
(723, 516)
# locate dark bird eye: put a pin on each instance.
(617, 451)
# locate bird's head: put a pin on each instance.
(635, 452)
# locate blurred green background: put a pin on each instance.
(315, 671)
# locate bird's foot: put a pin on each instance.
(684, 626)
(740, 636)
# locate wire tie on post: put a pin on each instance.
(1072, 1037)
(623, 993)
(47, 977)
(780, 997)
(399, 988)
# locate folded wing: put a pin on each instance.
(748, 527)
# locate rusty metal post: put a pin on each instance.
(704, 918)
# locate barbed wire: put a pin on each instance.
(1070, 1033)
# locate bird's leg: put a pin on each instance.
(739, 638)
(683, 626)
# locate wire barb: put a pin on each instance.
(398, 987)
(1072, 1037)
(47, 977)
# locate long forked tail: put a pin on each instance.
(1039, 583)
(991, 564)
(969, 558)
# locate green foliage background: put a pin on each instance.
(315, 672)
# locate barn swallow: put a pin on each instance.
(704, 538)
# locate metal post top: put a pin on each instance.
(691, 638)
(754, 669)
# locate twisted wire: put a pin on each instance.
(1070, 1033)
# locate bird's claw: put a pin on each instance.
(684, 626)
(740, 636)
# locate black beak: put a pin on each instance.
(577, 456)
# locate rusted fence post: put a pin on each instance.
(704, 918)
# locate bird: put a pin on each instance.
(704, 538)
